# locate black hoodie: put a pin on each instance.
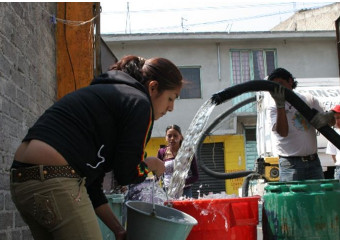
(100, 128)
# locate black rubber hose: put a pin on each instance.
(291, 97)
(245, 185)
(205, 169)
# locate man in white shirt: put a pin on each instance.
(294, 136)
(331, 149)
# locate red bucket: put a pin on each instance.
(231, 218)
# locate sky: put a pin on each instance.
(150, 16)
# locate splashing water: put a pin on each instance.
(187, 150)
(152, 197)
(148, 191)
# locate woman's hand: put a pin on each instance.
(155, 165)
(105, 213)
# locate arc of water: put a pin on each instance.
(187, 150)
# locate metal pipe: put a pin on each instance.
(218, 62)
(98, 40)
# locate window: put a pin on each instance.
(192, 82)
(250, 134)
(247, 65)
(251, 64)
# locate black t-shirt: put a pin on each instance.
(100, 128)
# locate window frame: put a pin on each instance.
(250, 63)
(194, 81)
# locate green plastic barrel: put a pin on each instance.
(116, 202)
(302, 210)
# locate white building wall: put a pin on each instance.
(314, 57)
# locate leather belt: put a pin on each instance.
(304, 158)
(40, 172)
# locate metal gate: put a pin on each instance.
(212, 154)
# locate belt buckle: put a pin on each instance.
(312, 157)
(305, 159)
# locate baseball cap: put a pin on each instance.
(336, 109)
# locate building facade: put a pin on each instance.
(211, 62)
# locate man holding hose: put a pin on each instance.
(295, 137)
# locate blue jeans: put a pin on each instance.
(187, 192)
(294, 169)
(337, 172)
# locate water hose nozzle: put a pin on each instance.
(217, 98)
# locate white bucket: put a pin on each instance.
(166, 224)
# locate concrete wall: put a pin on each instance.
(311, 19)
(314, 57)
(27, 88)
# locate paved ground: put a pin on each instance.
(259, 232)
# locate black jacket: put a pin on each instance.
(100, 128)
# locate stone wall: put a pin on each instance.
(27, 88)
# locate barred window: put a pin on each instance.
(251, 64)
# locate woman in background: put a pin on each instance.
(174, 138)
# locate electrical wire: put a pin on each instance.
(54, 19)
(243, 6)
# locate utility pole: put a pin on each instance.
(182, 24)
(337, 30)
(127, 23)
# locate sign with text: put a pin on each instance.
(328, 96)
